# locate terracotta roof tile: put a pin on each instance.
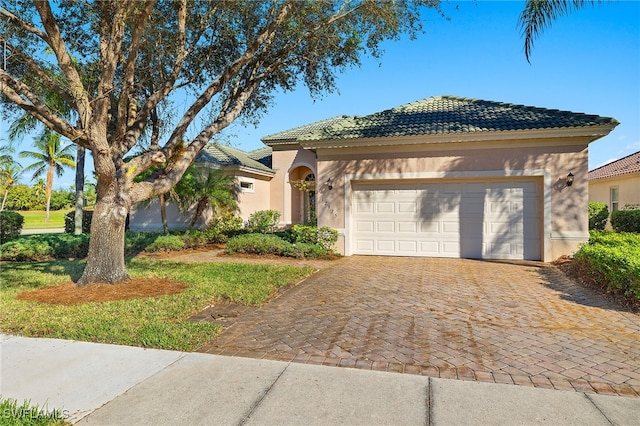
(623, 166)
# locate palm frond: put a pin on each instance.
(538, 15)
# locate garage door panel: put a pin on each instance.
(483, 219)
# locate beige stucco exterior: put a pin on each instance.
(564, 219)
(628, 189)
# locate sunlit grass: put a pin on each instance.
(35, 219)
(154, 322)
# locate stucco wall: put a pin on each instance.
(567, 224)
(628, 189)
(147, 217)
(254, 199)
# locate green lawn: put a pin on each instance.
(154, 322)
(34, 219)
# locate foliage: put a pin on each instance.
(263, 221)
(268, 244)
(614, 259)
(210, 188)
(28, 414)
(325, 236)
(50, 157)
(10, 225)
(626, 220)
(166, 243)
(159, 322)
(598, 215)
(70, 221)
(45, 247)
(228, 224)
(117, 67)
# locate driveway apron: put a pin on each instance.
(523, 323)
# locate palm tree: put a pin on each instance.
(50, 157)
(206, 189)
(9, 174)
(539, 14)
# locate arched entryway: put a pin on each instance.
(303, 195)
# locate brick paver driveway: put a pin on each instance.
(477, 320)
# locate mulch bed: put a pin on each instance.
(69, 294)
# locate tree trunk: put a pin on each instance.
(49, 189)
(79, 190)
(4, 200)
(202, 204)
(163, 213)
(105, 261)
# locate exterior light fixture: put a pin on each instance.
(570, 179)
(329, 184)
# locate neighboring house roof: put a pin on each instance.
(224, 155)
(440, 115)
(623, 166)
(292, 135)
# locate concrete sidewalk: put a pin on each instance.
(99, 384)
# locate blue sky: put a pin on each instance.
(588, 61)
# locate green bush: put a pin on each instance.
(166, 243)
(257, 244)
(598, 215)
(45, 246)
(613, 258)
(195, 238)
(626, 220)
(325, 237)
(10, 225)
(263, 221)
(70, 221)
(135, 242)
(228, 225)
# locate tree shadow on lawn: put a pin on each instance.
(69, 268)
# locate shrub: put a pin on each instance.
(166, 243)
(325, 237)
(257, 244)
(228, 225)
(45, 247)
(10, 225)
(263, 221)
(195, 238)
(614, 258)
(70, 221)
(135, 242)
(598, 215)
(626, 220)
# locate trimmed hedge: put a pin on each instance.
(324, 236)
(45, 247)
(627, 220)
(598, 215)
(265, 244)
(10, 225)
(613, 258)
(70, 221)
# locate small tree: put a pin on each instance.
(50, 158)
(209, 188)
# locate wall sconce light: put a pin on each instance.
(570, 179)
(329, 184)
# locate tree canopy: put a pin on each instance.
(118, 65)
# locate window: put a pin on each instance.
(614, 199)
(246, 185)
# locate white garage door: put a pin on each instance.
(496, 219)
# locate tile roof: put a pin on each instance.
(441, 115)
(227, 156)
(262, 155)
(292, 135)
(623, 166)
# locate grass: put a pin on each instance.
(158, 322)
(34, 219)
(11, 413)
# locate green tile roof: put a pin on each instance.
(292, 136)
(442, 115)
(224, 155)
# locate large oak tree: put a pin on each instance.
(224, 60)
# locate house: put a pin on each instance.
(252, 174)
(617, 183)
(444, 176)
